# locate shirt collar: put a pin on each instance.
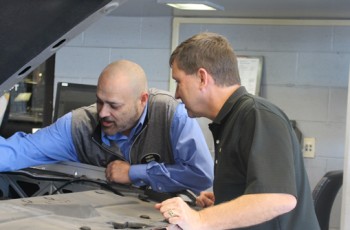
(230, 102)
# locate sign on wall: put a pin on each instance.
(250, 71)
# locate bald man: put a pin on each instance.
(142, 136)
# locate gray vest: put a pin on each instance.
(152, 143)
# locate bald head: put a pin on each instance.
(124, 73)
(122, 96)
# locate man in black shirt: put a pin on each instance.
(260, 180)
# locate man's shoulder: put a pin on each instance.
(85, 110)
(159, 92)
(85, 114)
(162, 96)
(261, 106)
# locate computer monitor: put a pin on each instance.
(4, 109)
(70, 96)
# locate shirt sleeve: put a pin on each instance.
(48, 145)
(193, 167)
(271, 143)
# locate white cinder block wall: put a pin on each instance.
(305, 71)
(145, 41)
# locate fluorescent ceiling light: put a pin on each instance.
(191, 4)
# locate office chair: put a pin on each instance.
(324, 195)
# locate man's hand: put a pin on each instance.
(205, 199)
(118, 171)
(179, 214)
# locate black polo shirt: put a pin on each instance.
(257, 151)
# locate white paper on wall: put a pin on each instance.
(250, 71)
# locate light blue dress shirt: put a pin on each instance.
(54, 143)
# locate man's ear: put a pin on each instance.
(144, 98)
(203, 77)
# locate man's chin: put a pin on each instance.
(190, 114)
(108, 131)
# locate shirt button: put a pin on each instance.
(219, 150)
(217, 141)
(216, 162)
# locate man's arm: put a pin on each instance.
(48, 145)
(246, 210)
(193, 167)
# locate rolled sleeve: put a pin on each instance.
(138, 175)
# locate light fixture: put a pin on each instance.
(191, 4)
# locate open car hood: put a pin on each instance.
(32, 31)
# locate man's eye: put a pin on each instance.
(115, 107)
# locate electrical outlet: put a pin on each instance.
(309, 147)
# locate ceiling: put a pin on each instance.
(284, 9)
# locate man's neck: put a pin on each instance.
(219, 97)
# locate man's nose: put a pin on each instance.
(103, 111)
